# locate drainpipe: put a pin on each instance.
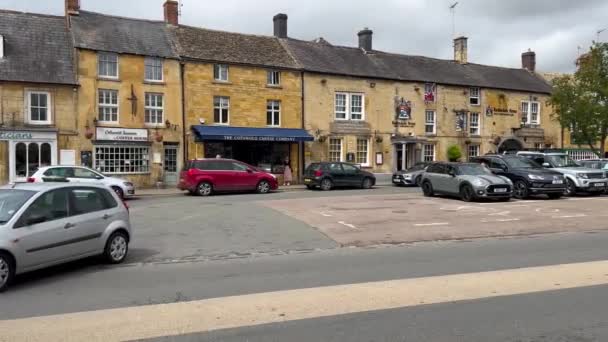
(184, 128)
(302, 158)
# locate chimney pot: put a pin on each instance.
(365, 39)
(72, 7)
(171, 10)
(528, 60)
(461, 50)
(280, 25)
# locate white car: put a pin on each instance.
(81, 174)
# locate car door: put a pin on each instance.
(222, 175)
(82, 175)
(92, 211)
(352, 175)
(41, 232)
(336, 173)
(452, 183)
(498, 167)
(438, 178)
(245, 177)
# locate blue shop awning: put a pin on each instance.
(229, 133)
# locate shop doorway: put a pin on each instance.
(405, 155)
(170, 165)
(269, 156)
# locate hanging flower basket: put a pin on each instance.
(158, 137)
(88, 133)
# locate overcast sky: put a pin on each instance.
(498, 30)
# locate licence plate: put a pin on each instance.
(558, 182)
(306, 180)
(500, 190)
(599, 184)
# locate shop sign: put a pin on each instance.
(259, 138)
(403, 123)
(122, 134)
(26, 135)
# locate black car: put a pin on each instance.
(528, 177)
(329, 175)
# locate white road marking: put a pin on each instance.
(323, 213)
(501, 220)
(538, 210)
(501, 213)
(571, 216)
(351, 226)
(166, 320)
(431, 224)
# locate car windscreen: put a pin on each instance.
(521, 163)
(473, 170)
(417, 167)
(11, 201)
(561, 161)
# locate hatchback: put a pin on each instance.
(81, 174)
(328, 175)
(207, 176)
(46, 224)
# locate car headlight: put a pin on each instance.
(582, 175)
(407, 176)
(480, 182)
(536, 177)
(128, 184)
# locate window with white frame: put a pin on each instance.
(356, 107)
(273, 113)
(274, 78)
(220, 72)
(153, 69)
(474, 96)
(341, 106)
(474, 151)
(474, 125)
(39, 107)
(153, 109)
(430, 122)
(108, 105)
(530, 112)
(122, 159)
(221, 109)
(362, 156)
(335, 150)
(428, 153)
(107, 65)
(349, 106)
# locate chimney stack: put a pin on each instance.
(280, 25)
(460, 50)
(528, 60)
(72, 7)
(365, 39)
(171, 12)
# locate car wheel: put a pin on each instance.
(427, 189)
(467, 194)
(367, 183)
(204, 189)
(7, 271)
(520, 190)
(555, 196)
(117, 248)
(310, 187)
(119, 192)
(570, 188)
(418, 180)
(326, 184)
(263, 187)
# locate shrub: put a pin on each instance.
(454, 153)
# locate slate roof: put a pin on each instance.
(221, 46)
(339, 60)
(37, 49)
(95, 31)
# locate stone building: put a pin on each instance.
(38, 94)
(388, 111)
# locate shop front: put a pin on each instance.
(28, 150)
(265, 148)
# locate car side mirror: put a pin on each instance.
(547, 165)
(98, 177)
(452, 173)
(35, 219)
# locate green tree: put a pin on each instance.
(580, 102)
(454, 153)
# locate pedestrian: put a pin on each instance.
(287, 176)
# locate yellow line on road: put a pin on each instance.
(248, 310)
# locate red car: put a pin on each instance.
(204, 177)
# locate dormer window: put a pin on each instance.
(107, 65)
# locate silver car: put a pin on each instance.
(411, 176)
(45, 224)
(468, 181)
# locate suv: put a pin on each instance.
(81, 174)
(578, 178)
(327, 175)
(203, 177)
(45, 224)
(528, 177)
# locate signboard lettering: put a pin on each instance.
(122, 134)
(259, 138)
(16, 135)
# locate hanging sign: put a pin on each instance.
(404, 110)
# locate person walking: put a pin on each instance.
(287, 175)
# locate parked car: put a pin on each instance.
(528, 177)
(81, 174)
(469, 181)
(205, 177)
(411, 176)
(599, 164)
(329, 175)
(578, 178)
(44, 224)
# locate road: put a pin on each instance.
(270, 276)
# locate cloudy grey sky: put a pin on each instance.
(498, 30)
